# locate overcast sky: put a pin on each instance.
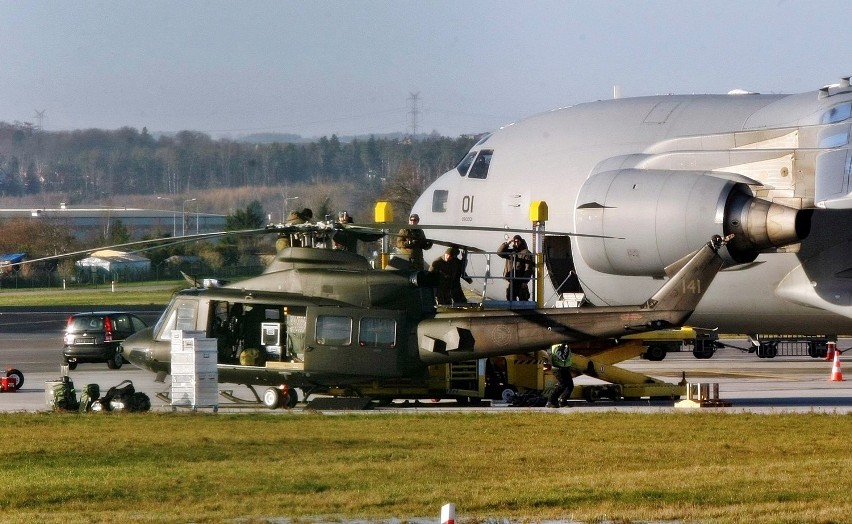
(316, 68)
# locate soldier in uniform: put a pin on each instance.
(518, 269)
(449, 269)
(412, 241)
(560, 360)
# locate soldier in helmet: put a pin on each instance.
(411, 242)
(560, 360)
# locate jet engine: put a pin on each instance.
(648, 219)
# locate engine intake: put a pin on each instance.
(655, 217)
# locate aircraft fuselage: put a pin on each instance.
(656, 175)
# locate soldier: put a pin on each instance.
(449, 269)
(518, 269)
(342, 238)
(412, 241)
(560, 360)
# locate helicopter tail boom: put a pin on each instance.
(459, 336)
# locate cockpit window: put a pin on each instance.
(481, 164)
(464, 165)
(832, 137)
(483, 139)
(439, 201)
(181, 316)
(837, 113)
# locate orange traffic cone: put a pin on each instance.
(832, 349)
(836, 374)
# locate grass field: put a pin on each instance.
(691, 467)
(136, 294)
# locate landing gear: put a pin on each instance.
(280, 397)
(272, 398)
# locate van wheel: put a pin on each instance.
(115, 362)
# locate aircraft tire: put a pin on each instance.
(71, 366)
(272, 398)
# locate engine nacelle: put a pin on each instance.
(653, 218)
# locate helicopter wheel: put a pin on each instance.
(272, 398)
(292, 398)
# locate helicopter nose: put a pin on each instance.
(140, 350)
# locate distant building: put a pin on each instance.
(113, 265)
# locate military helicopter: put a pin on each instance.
(325, 320)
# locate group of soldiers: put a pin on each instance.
(450, 269)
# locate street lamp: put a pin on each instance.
(183, 216)
(174, 216)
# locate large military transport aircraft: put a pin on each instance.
(655, 177)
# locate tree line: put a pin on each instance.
(86, 165)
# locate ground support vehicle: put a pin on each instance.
(702, 342)
(622, 384)
(771, 346)
(12, 382)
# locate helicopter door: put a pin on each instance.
(353, 342)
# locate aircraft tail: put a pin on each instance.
(691, 280)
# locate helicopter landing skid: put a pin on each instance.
(229, 394)
(165, 396)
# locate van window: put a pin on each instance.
(377, 332)
(334, 330)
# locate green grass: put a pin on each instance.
(124, 295)
(155, 467)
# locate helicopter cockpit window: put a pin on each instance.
(439, 201)
(837, 114)
(481, 164)
(464, 165)
(182, 316)
(334, 330)
(377, 332)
